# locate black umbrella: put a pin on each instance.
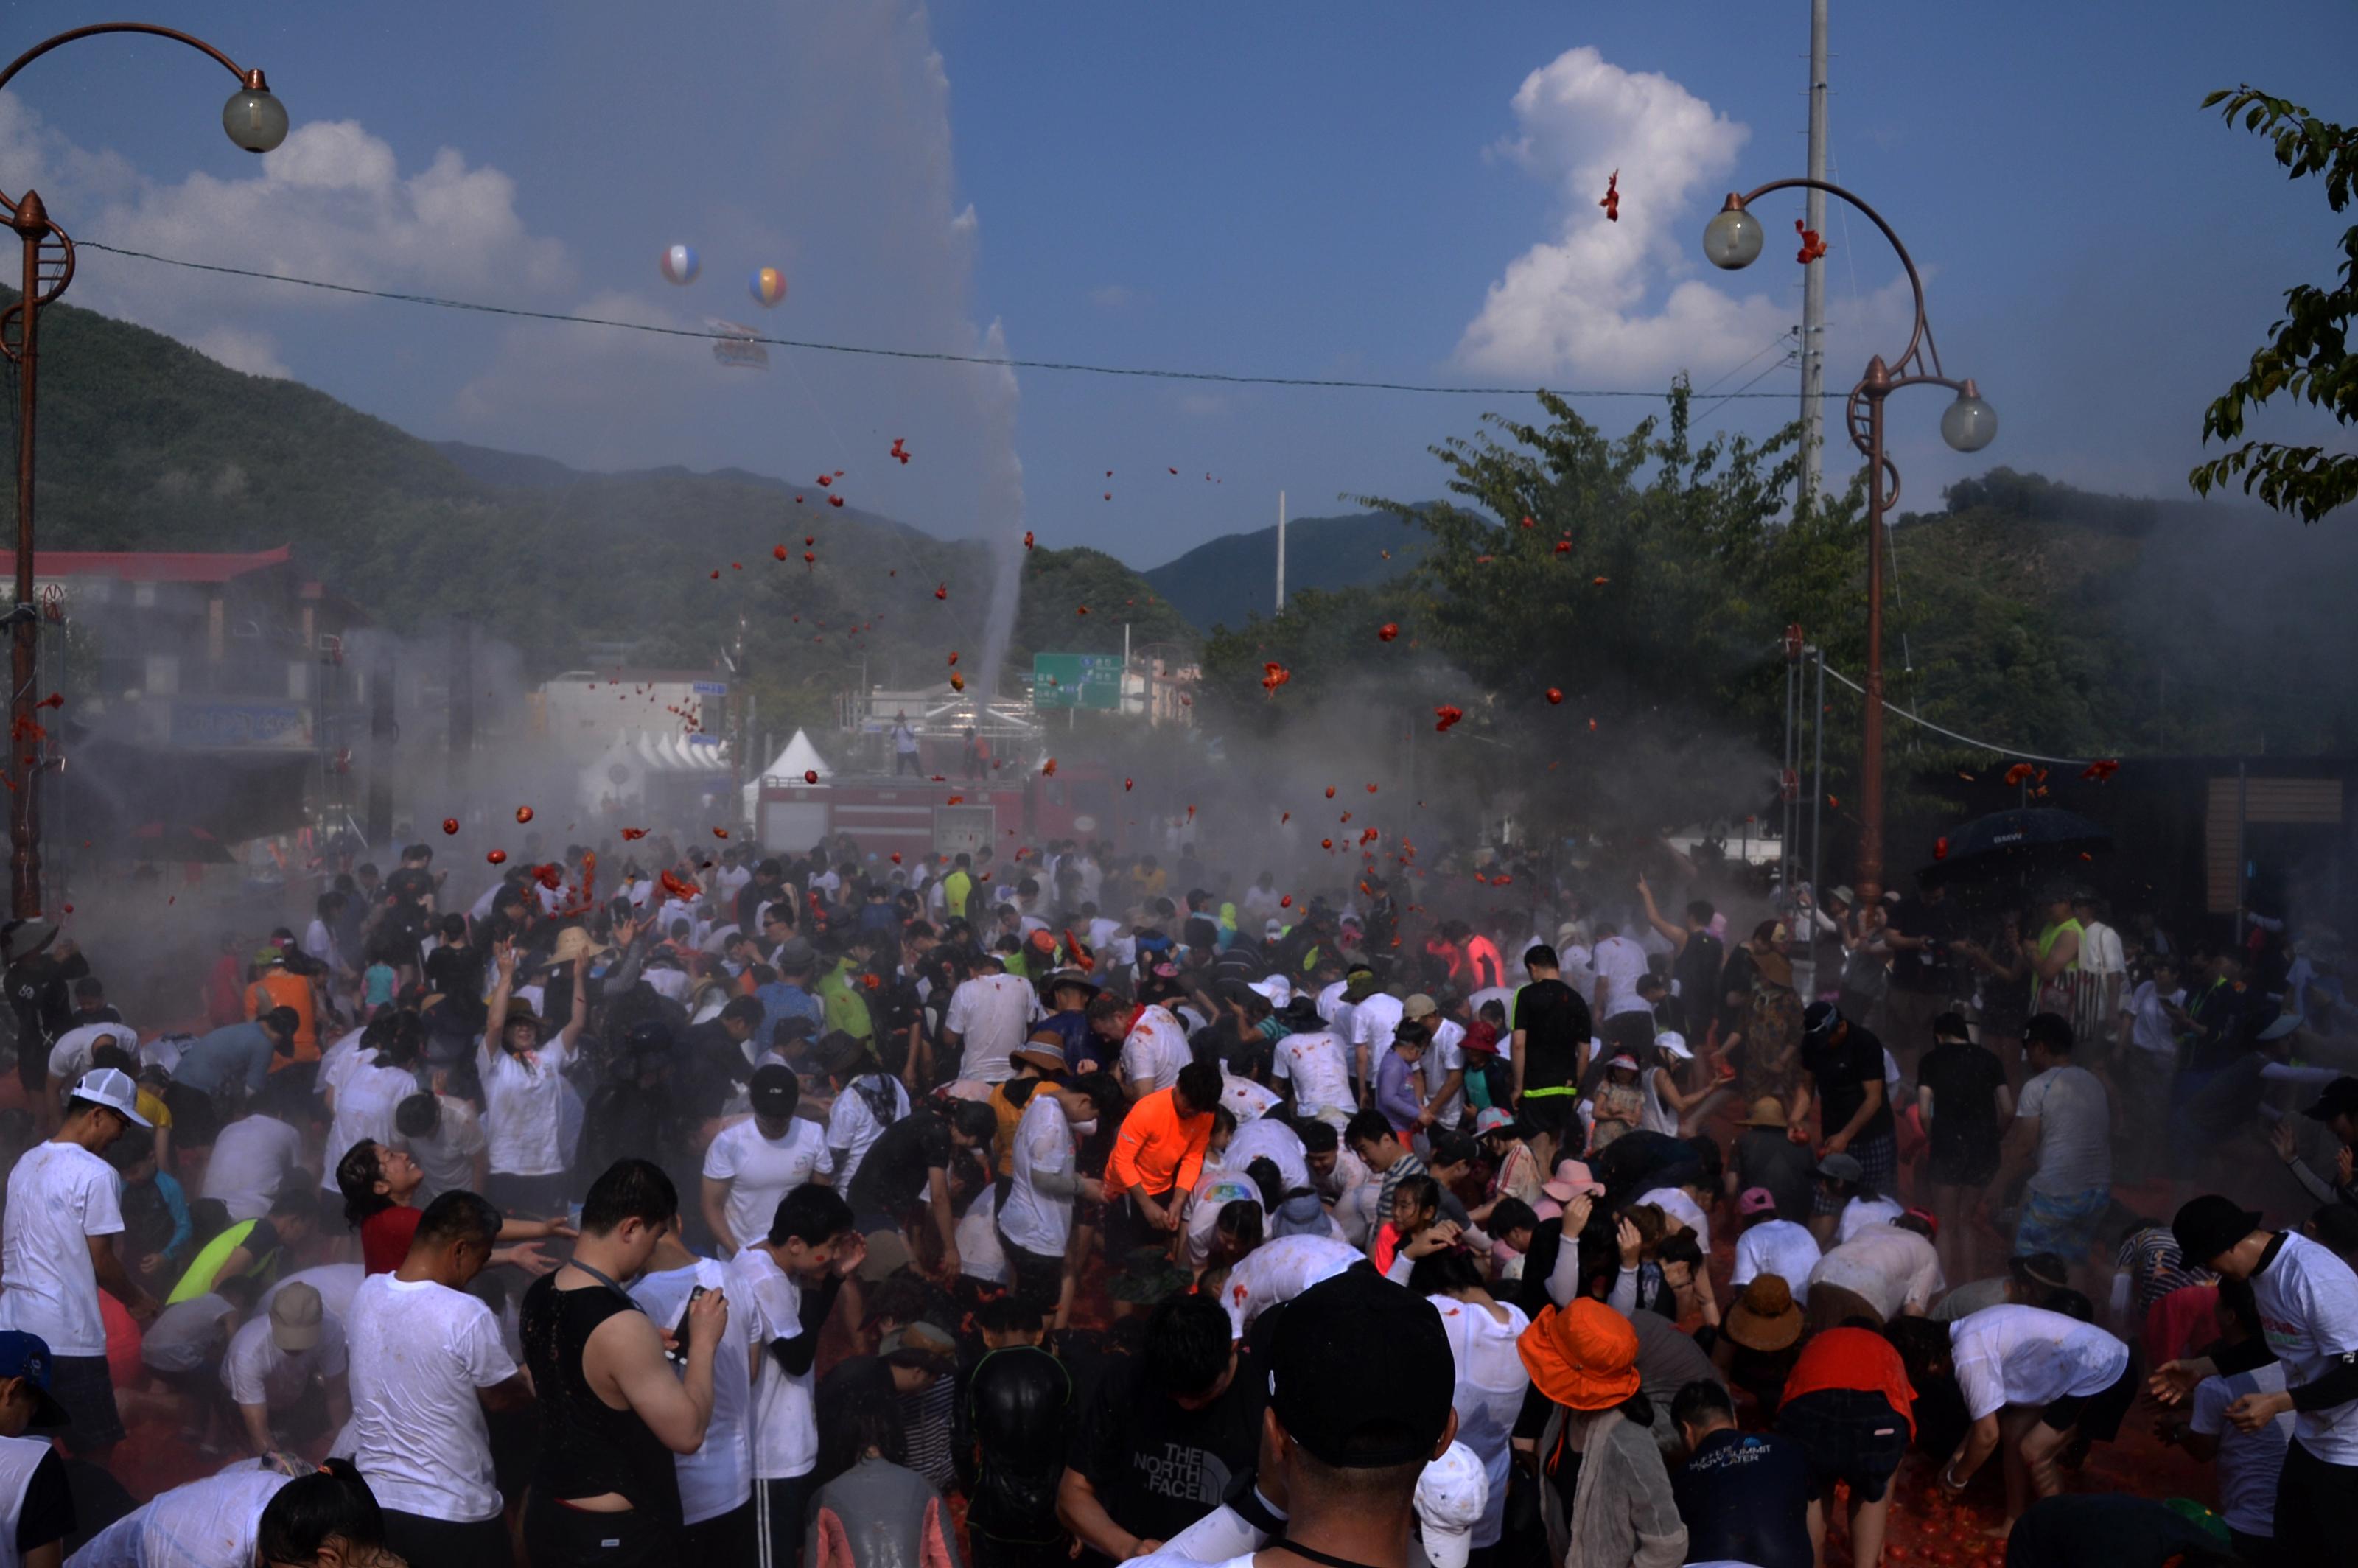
(2039, 839)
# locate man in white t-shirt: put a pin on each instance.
(786, 1283)
(1891, 1270)
(365, 1105)
(1036, 1221)
(1278, 1271)
(445, 1136)
(1153, 1051)
(1444, 1063)
(1772, 1246)
(250, 1161)
(716, 1482)
(426, 1361)
(2308, 1304)
(58, 1249)
(1311, 1064)
(753, 1163)
(273, 1360)
(989, 1015)
(2032, 1379)
(1374, 1014)
(2062, 1133)
(1619, 964)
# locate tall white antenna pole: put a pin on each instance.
(1813, 278)
(1281, 552)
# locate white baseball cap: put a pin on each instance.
(1451, 1494)
(1673, 1041)
(1277, 990)
(112, 1088)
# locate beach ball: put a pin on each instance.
(767, 285)
(680, 264)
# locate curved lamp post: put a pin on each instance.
(1734, 239)
(255, 121)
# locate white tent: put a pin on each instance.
(800, 757)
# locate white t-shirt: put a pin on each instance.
(1034, 1221)
(209, 1523)
(1675, 1203)
(1313, 1063)
(1247, 1101)
(1279, 1270)
(990, 1015)
(251, 1159)
(69, 1057)
(852, 1126)
(1333, 1008)
(336, 1284)
(760, 1171)
(59, 1196)
(1265, 1138)
(256, 1372)
(1777, 1246)
(449, 1157)
(1620, 964)
(718, 1475)
(2028, 1355)
(337, 1061)
(785, 1422)
(2309, 1313)
(1491, 1384)
(364, 1108)
(1862, 1212)
(2249, 1462)
(1155, 1049)
(2149, 1026)
(2075, 1130)
(419, 1353)
(1893, 1269)
(1349, 1174)
(1443, 1057)
(187, 1334)
(1373, 1019)
(523, 1104)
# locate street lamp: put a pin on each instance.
(1734, 239)
(255, 121)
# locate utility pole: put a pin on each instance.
(1281, 552)
(1813, 278)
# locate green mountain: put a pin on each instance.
(1228, 579)
(147, 444)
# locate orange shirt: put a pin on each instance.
(1156, 1151)
(279, 989)
(1853, 1358)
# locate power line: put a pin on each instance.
(1226, 378)
(1917, 718)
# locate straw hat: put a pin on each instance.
(1764, 1317)
(1584, 1356)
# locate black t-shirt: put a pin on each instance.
(1843, 1073)
(1964, 1080)
(457, 973)
(1158, 1468)
(1696, 970)
(2084, 1529)
(43, 1001)
(1926, 969)
(1745, 1497)
(895, 1169)
(1556, 1027)
(47, 1513)
(1735, 978)
(410, 885)
(1765, 1157)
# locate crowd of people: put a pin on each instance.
(817, 1209)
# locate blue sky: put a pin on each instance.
(1301, 190)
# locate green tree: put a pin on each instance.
(2307, 355)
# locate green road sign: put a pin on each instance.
(1077, 680)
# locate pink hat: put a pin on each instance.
(1756, 1200)
(1572, 1179)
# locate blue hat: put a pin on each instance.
(26, 1356)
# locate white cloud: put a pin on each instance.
(331, 203)
(1586, 301)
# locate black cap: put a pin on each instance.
(2340, 1098)
(2210, 1225)
(1360, 1372)
(1819, 1019)
(775, 1090)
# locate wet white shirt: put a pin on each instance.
(2028, 1355)
(417, 1354)
(59, 1196)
